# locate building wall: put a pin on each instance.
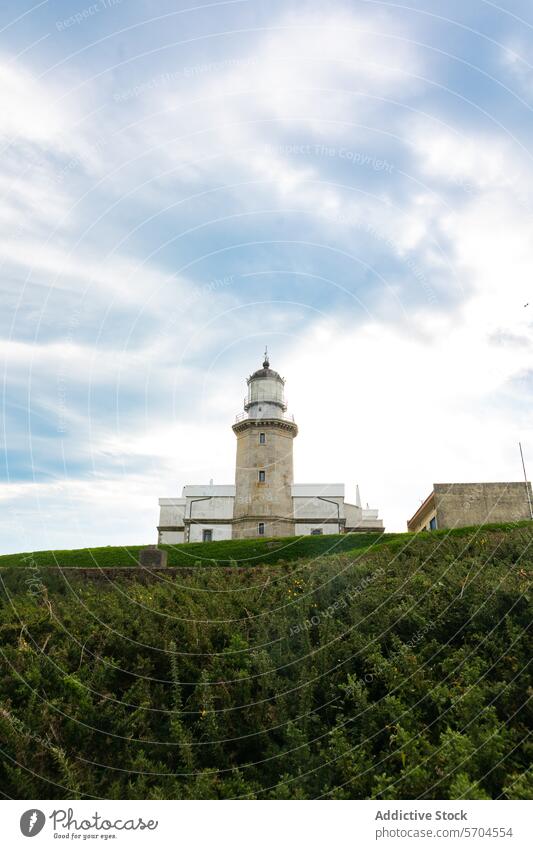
(249, 528)
(306, 528)
(218, 531)
(271, 501)
(200, 490)
(216, 512)
(312, 507)
(171, 523)
(460, 504)
(171, 511)
(171, 537)
(312, 490)
(214, 507)
(354, 515)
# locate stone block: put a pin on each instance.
(152, 557)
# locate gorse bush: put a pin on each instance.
(399, 672)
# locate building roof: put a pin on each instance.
(266, 371)
(423, 507)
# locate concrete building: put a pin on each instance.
(455, 505)
(264, 501)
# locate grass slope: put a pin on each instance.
(229, 553)
(399, 673)
(225, 553)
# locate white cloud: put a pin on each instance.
(28, 109)
(315, 75)
(486, 223)
(312, 65)
(55, 515)
(415, 391)
(395, 415)
(474, 161)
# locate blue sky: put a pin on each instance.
(182, 184)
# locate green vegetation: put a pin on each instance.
(393, 671)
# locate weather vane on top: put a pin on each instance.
(266, 362)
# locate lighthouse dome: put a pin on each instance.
(266, 392)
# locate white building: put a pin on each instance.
(264, 501)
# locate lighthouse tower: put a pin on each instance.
(263, 503)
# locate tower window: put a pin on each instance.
(315, 532)
(207, 535)
(262, 439)
(262, 476)
(261, 529)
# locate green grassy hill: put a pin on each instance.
(242, 552)
(228, 553)
(392, 667)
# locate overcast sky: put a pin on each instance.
(350, 184)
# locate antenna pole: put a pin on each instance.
(525, 478)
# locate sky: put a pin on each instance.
(182, 184)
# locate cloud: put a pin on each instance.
(28, 109)
(293, 178)
(486, 221)
(516, 58)
(311, 76)
(317, 66)
(56, 514)
(398, 415)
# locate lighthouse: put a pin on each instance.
(263, 501)
(264, 477)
